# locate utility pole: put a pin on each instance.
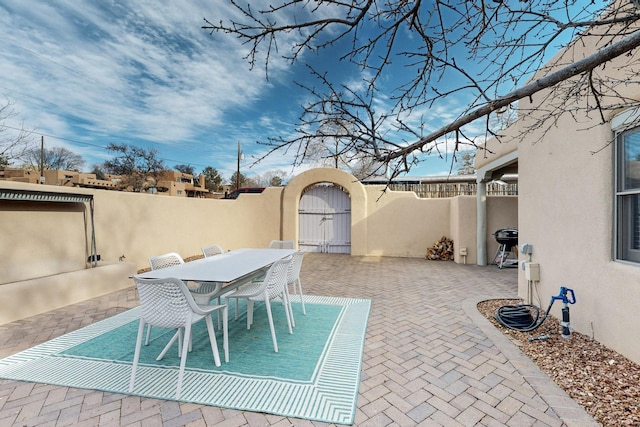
(238, 169)
(42, 159)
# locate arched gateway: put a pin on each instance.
(324, 216)
(353, 224)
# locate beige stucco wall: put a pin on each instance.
(565, 210)
(402, 225)
(502, 212)
(142, 225)
(35, 248)
(566, 213)
(42, 241)
(395, 223)
(31, 297)
(387, 223)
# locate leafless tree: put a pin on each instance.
(134, 165)
(241, 180)
(488, 53)
(272, 178)
(55, 158)
(14, 141)
(332, 147)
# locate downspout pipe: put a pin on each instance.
(481, 221)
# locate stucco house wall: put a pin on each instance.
(566, 211)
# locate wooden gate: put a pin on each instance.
(325, 220)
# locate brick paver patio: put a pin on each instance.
(430, 358)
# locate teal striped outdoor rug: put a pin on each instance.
(315, 375)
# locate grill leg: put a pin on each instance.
(498, 259)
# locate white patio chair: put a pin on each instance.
(274, 285)
(163, 261)
(293, 278)
(168, 303)
(212, 250)
(166, 260)
(282, 244)
(207, 290)
(202, 293)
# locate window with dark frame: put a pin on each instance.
(628, 195)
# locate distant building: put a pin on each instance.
(179, 184)
(170, 183)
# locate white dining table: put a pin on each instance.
(229, 268)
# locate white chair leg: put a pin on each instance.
(287, 310)
(176, 336)
(249, 313)
(304, 310)
(146, 342)
(136, 355)
(217, 290)
(286, 298)
(183, 360)
(225, 332)
(273, 329)
(212, 340)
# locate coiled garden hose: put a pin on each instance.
(521, 317)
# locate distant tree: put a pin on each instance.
(274, 178)
(467, 163)
(276, 181)
(188, 169)
(14, 143)
(251, 182)
(245, 181)
(212, 178)
(98, 170)
(237, 180)
(55, 158)
(134, 165)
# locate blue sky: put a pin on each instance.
(87, 73)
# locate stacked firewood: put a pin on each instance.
(442, 250)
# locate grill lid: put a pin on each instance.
(507, 236)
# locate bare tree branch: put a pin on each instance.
(580, 67)
(14, 141)
(478, 51)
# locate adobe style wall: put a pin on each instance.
(565, 211)
(45, 240)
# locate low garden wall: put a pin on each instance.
(45, 246)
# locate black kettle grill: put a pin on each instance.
(507, 238)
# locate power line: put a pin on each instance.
(42, 101)
(95, 145)
(72, 70)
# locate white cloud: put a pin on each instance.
(146, 72)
